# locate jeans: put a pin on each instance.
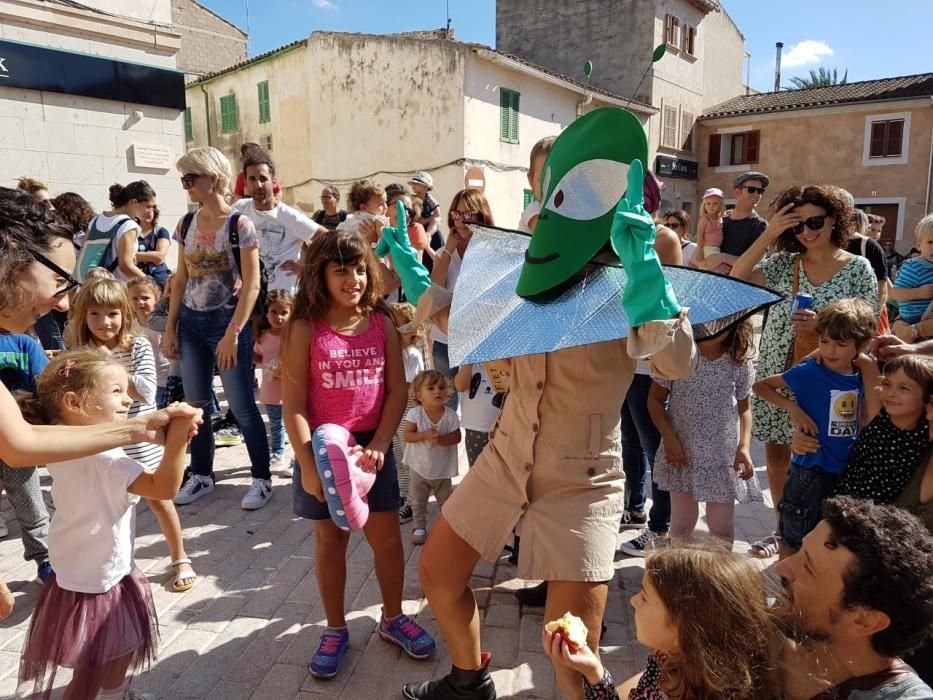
(640, 443)
(442, 365)
(276, 428)
(198, 335)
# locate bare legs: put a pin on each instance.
(587, 601)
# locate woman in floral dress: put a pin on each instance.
(809, 230)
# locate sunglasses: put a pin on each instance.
(466, 216)
(70, 282)
(814, 223)
(754, 190)
(672, 224)
(188, 179)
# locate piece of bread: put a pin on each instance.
(571, 629)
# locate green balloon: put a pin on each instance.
(658, 52)
(587, 68)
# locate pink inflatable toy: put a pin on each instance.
(345, 484)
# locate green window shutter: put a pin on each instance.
(265, 115)
(189, 129)
(528, 198)
(508, 115)
(513, 121)
(229, 116)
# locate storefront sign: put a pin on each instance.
(665, 166)
(156, 157)
(69, 73)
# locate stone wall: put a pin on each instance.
(208, 42)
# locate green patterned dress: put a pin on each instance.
(854, 280)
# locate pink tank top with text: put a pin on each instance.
(346, 381)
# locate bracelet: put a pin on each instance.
(443, 251)
(235, 328)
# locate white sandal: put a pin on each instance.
(180, 576)
(767, 547)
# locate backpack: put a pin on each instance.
(233, 233)
(95, 251)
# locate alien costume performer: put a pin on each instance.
(554, 455)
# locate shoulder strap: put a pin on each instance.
(864, 246)
(233, 230)
(797, 265)
(185, 225)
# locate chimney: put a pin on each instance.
(777, 66)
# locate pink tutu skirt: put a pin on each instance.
(88, 631)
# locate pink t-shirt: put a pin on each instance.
(346, 381)
(268, 348)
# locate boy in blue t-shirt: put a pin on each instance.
(21, 361)
(832, 388)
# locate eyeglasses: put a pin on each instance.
(814, 223)
(188, 179)
(466, 216)
(672, 224)
(754, 190)
(70, 282)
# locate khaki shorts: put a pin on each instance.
(569, 508)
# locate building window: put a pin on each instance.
(267, 143)
(189, 128)
(669, 127)
(528, 196)
(508, 115)
(688, 37)
(740, 148)
(671, 24)
(265, 116)
(686, 131)
(229, 116)
(886, 139)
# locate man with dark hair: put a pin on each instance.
(246, 150)
(858, 596)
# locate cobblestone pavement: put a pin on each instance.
(249, 627)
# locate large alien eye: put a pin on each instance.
(589, 189)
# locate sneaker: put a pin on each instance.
(193, 489)
(276, 460)
(326, 660)
(419, 535)
(43, 573)
(4, 530)
(633, 520)
(260, 491)
(227, 437)
(641, 545)
(408, 634)
(404, 514)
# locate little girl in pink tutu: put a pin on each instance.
(95, 614)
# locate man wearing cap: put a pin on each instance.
(742, 225)
(422, 183)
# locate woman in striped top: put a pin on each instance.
(103, 318)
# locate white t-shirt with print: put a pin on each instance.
(428, 459)
(281, 232)
(93, 529)
(476, 408)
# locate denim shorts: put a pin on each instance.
(802, 502)
(383, 497)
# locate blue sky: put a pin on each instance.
(870, 39)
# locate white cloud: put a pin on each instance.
(324, 4)
(800, 54)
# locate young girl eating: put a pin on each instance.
(703, 613)
(95, 614)
(102, 319)
(342, 364)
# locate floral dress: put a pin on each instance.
(854, 280)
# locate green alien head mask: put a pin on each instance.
(584, 178)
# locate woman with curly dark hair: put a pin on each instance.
(74, 211)
(810, 228)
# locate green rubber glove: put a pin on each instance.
(648, 295)
(394, 240)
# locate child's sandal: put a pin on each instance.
(184, 580)
(767, 547)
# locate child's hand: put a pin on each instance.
(583, 660)
(802, 421)
(927, 291)
(744, 465)
(6, 601)
(370, 459)
(803, 444)
(311, 483)
(674, 451)
(432, 435)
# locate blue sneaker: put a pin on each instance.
(43, 573)
(409, 635)
(326, 660)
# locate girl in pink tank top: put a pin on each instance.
(342, 363)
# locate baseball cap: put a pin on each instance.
(422, 178)
(713, 192)
(751, 175)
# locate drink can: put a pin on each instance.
(801, 301)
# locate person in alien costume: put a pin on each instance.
(553, 461)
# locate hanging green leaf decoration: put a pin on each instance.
(658, 52)
(587, 68)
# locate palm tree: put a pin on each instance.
(823, 78)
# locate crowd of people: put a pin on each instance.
(112, 358)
